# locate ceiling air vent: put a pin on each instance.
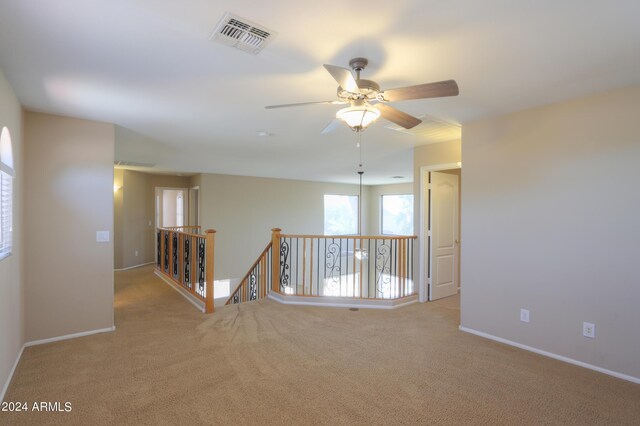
(131, 164)
(241, 33)
(431, 130)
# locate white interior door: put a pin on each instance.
(443, 244)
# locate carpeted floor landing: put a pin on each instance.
(264, 363)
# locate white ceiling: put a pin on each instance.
(193, 105)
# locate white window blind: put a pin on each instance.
(6, 193)
(6, 207)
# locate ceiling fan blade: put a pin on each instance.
(395, 115)
(438, 89)
(305, 103)
(331, 126)
(344, 78)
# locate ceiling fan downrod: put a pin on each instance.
(358, 64)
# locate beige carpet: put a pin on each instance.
(266, 363)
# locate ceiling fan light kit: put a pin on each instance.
(368, 102)
(358, 116)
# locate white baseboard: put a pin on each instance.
(340, 302)
(197, 303)
(133, 267)
(69, 336)
(552, 355)
(13, 370)
(42, 342)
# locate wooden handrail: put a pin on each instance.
(354, 237)
(176, 228)
(244, 280)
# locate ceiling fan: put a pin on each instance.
(367, 102)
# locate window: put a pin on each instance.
(340, 214)
(6, 194)
(397, 214)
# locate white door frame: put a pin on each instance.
(423, 293)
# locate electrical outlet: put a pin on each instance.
(589, 330)
(524, 315)
(136, 252)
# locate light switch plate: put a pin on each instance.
(102, 236)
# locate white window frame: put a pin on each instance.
(382, 213)
(357, 215)
(6, 194)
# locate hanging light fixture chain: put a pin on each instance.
(360, 173)
(360, 148)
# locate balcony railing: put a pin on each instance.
(256, 284)
(186, 258)
(360, 267)
(346, 267)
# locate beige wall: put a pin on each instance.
(136, 215)
(244, 209)
(133, 146)
(139, 220)
(138, 211)
(434, 154)
(229, 206)
(11, 274)
(194, 182)
(550, 219)
(68, 197)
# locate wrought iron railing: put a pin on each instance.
(256, 284)
(187, 260)
(366, 267)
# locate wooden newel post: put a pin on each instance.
(275, 259)
(210, 239)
